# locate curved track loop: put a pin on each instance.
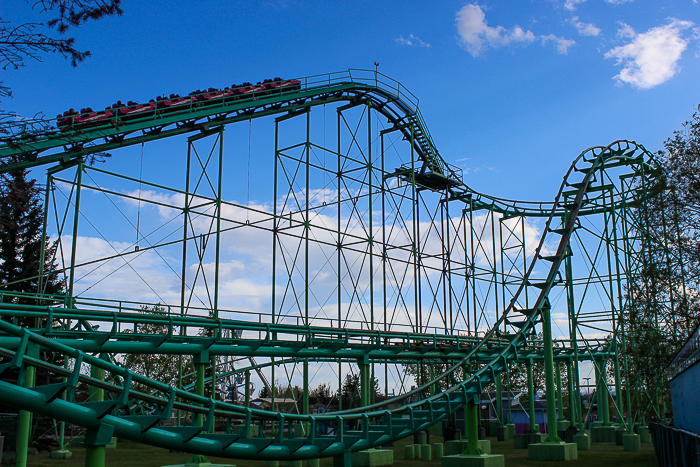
(482, 360)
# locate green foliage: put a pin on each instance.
(159, 367)
(663, 301)
(350, 391)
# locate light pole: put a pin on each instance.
(587, 385)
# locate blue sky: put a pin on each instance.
(511, 91)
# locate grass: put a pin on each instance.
(130, 454)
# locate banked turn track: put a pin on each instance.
(481, 359)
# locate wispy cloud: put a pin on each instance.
(411, 40)
(651, 58)
(585, 29)
(475, 35)
(560, 43)
(626, 31)
(571, 4)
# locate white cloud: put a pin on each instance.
(618, 2)
(411, 40)
(651, 58)
(626, 31)
(561, 44)
(585, 29)
(475, 34)
(571, 4)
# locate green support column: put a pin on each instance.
(364, 384)
(200, 366)
(305, 395)
(247, 389)
(74, 241)
(602, 388)
(550, 389)
(95, 455)
(471, 421)
(534, 428)
(25, 423)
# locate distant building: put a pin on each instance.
(286, 405)
(519, 412)
(684, 376)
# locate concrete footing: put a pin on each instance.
(524, 440)
(409, 451)
(552, 452)
(453, 448)
(373, 458)
(272, 463)
(60, 454)
(438, 451)
(644, 435)
(563, 425)
(420, 438)
(485, 460)
(632, 442)
(583, 441)
(511, 430)
(493, 426)
(293, 464)
(426, 452)
(603, 434)
(619, 433)
(315, 462)
(503, 433)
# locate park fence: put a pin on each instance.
(675, 447)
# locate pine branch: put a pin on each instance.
(73, 13)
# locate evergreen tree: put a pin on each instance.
(21, 223)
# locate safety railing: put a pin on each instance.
(674, 447)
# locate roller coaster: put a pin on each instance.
(378, 256)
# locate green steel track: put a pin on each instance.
(75, 333)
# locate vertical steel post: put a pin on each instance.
(25, 423)
(42, 253)
(339, 255)
(275, 234)
(95, 455)
(74, 242)
(200, 366)
(550, 389)
(217, 252)
(534, 428)
(247, 389)
(471, 421)
(183, 280)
